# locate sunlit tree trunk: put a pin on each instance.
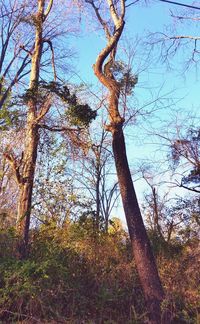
(26, 185)
(34, 115)
(25, 168)
(31, 135)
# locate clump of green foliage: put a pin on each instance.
(77, 113)
(125, 77)
(8, 118)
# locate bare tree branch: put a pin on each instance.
(15, 166)
(59, 129)
(185, 18)
(47, 11)
(100, 19)
(184, 36)
(53, 57)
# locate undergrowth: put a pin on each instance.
(73, 275)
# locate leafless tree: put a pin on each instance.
(178, 37)
(95, 176)
(14, 59)
(182, 150)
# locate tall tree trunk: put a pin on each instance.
(141, 248)
(35, 113)
(26, 185)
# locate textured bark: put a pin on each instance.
(26, 186)
(141, 248)
(34, 115)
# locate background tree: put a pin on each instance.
(95, 176)
(186, 151)
(169, 217)
(56, 195)
(176, 39)
(8, 185)
(14, 59)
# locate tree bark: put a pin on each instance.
(26, 186)
(34, 115)
(141, 248)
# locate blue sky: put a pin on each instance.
(171, 80)
(140, 22)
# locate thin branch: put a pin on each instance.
(27, 51)
(50, 4)
(17, 77)
(181, 4)
(182, 17)
(53, 57)
(188, 188)
(185, 37)
(132, 3)
(45, 108)
(59, 129)
(100, 19)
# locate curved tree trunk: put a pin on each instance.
(142, 252)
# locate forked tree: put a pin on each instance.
(103, 69)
